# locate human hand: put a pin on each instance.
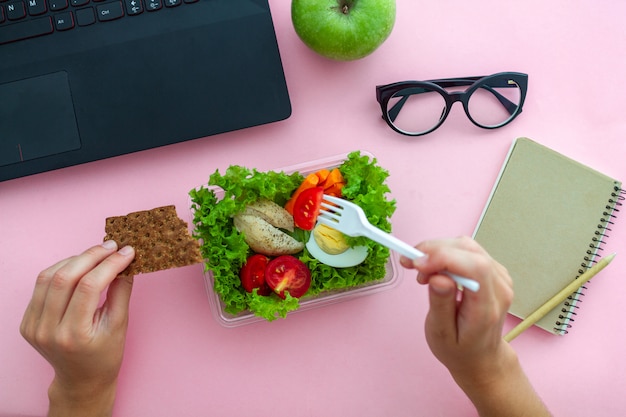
(81, 339)
(464, 330)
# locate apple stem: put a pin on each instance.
(346, 5)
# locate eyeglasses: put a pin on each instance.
(416, 108)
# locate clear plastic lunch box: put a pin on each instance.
(391, 278)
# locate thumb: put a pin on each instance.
(443, 306)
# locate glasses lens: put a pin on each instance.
(416, 110)
(495, 104)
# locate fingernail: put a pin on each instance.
(109, 245)
(439, 290)
(126, 250)
(419, 261)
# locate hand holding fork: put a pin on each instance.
(348, 218)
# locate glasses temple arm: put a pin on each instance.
(393, 112)
(508, 104)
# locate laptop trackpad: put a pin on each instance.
(37, 118)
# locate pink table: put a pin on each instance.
(365, 357)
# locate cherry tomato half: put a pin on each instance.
(288, 274)
(252, 274)
(307, 207)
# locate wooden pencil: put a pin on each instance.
(558, 298)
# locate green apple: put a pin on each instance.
(343, 29)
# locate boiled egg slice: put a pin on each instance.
(328, 246)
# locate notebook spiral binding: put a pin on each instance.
(597, 242)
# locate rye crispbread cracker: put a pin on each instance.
(160, 238)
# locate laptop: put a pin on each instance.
(83, 80)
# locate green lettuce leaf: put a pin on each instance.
(225, 250)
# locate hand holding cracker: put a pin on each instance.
(83, 342)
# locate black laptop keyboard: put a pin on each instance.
(24, 19)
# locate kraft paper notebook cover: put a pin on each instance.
(545, 221)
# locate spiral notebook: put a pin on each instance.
(546, 221)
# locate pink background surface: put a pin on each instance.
(365, 357)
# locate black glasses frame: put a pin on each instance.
(408, 88)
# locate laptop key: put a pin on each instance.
(85, 17)
(26, 29)
(152, 5)
(16, 10)
(109, 11)
(133, 7)
(56, 5)
(64, 21)
(36, 7)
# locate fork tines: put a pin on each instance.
(329, 211)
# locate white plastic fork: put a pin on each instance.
(349, 219)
